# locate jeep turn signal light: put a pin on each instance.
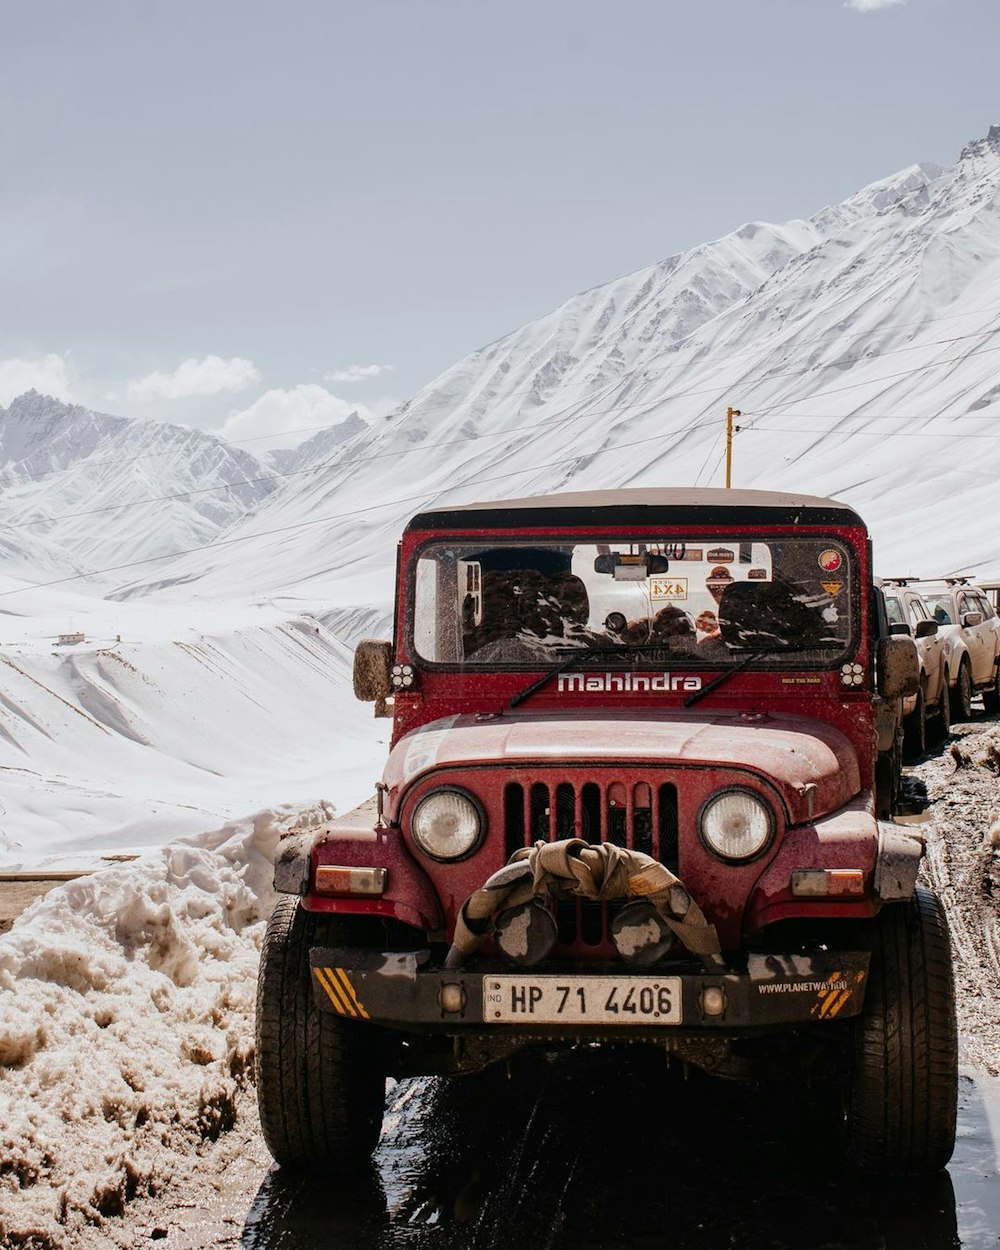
(828, 883)
(332, 879)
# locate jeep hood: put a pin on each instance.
(794, 753)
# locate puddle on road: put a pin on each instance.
(588, 1153)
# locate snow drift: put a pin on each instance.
(126, 1025)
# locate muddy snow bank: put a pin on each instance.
(126, 1025)
(962, 827)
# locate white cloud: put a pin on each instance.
(869, 6)
(357, 373)
(280, 412)
(49, 374)
(191, 378)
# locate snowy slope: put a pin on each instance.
(862, 346)
(127, 744)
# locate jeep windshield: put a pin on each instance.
(697, 602)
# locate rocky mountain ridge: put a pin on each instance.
(105, 489)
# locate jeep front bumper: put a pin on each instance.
(404, 991)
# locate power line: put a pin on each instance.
(711, 447)
(538, 428)
(783, 429)
(853, 386)
(646, 373)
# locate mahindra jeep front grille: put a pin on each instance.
(636, 815)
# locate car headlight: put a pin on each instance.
(736, 824)
(447, 824)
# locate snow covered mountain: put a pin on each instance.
(862, 347)
(107, 490)
(323, 444)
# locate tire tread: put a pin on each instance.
(902, 1103)
(320, 1090)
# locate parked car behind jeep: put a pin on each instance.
(911, 616)
(971, 632)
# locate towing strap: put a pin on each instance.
(571, 869)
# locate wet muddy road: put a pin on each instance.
(624, 1156)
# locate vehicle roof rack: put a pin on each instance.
(956, 581)
(901, 581)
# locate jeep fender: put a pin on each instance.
(888, 855)
(409, 896)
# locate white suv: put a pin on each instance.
(909, 614)
(971, 631)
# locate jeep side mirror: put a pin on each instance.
(901, 627)
(898, 667)
(971, 618)
(925, 629)
(372, 666)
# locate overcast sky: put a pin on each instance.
(257, 216)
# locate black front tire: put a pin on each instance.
(961, 694)
(991, 695)
(902, 1094)
(915, 730)
(941, 730)
(320, 1082)
(888, 778)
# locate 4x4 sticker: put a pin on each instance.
(668, 588)
(830, 560)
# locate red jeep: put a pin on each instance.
(642, 740)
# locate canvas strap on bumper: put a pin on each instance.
(572, 869)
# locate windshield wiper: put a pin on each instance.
(719, 678)
(741, 664)
(585, 654)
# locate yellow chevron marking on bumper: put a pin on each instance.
(347, 987)
(833, 1005)
(341, 1006)
(831, 1002)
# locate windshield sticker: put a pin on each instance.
(661, 588)
(625, 683)
(756, 575)
(830, 560)
(832, 588)
(721, 555)
(694, 554)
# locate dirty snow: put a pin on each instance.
(126, 1025)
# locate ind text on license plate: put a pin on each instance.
(581, 1000)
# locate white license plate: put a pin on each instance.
(581, 1000)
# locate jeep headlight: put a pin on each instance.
(447, 824)
(736, 824)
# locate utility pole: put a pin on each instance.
(730, 431)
